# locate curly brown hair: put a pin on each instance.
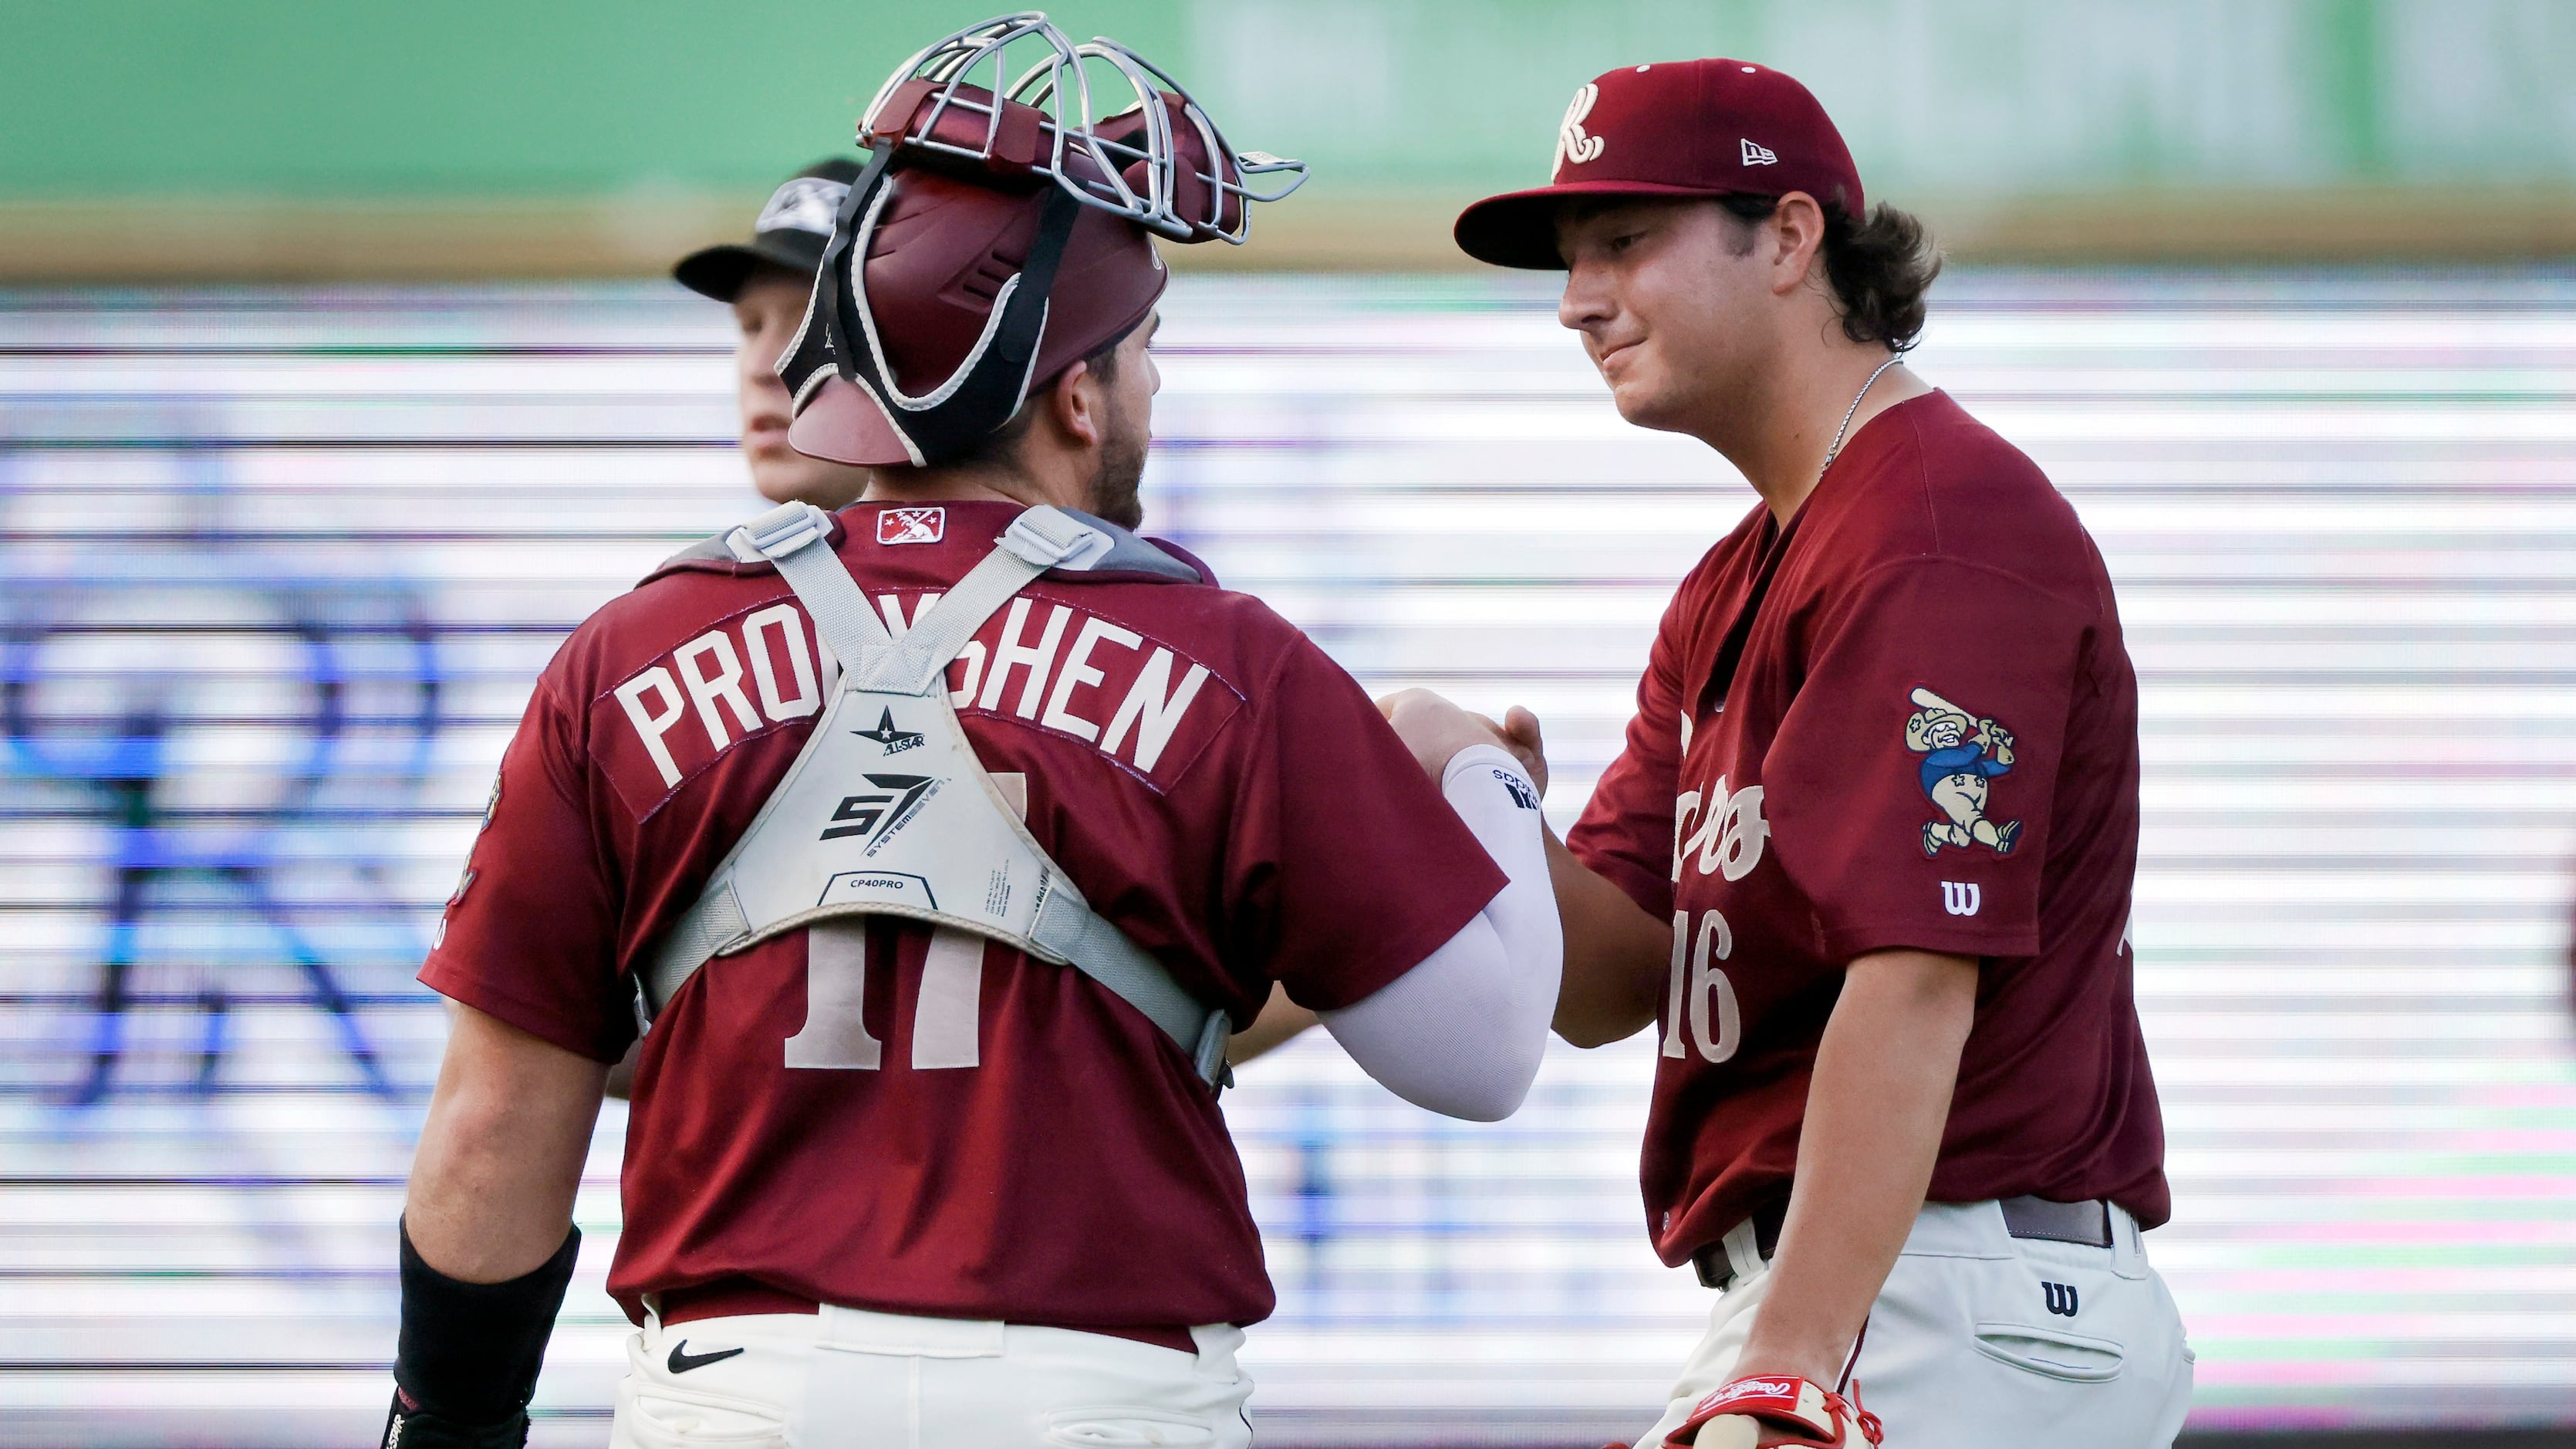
(1880, 266)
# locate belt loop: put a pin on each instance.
(1743, 1252)
(2128, 1254)
(1216, 1345)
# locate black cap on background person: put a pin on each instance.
(768, 279)
(788, 235)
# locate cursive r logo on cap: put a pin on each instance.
(1572, 142)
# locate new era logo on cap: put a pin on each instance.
(1759, 155)
(912, 525)
(807, 203)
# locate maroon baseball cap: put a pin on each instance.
(1672, 128)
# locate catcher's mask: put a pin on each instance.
(998, 234)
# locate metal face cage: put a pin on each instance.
(1057, 134)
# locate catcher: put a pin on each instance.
(936, 847)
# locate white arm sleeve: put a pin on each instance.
(1462, 1032)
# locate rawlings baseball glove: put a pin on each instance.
(1768, 1411)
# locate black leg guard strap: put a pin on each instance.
(470, 1353)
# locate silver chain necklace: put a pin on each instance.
(1834, 449)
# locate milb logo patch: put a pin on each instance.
(912, 525)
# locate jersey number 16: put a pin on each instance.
(1700, 990)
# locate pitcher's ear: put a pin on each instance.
(1799, 224)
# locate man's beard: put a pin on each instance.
(1115, 482)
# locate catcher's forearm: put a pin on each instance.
(502, 1151)
(487, 1239)
(1875, 1112)
(470, 1353)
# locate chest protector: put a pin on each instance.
(887, 811)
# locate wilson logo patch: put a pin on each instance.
(912, 525)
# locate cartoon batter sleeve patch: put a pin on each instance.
(1962, 754)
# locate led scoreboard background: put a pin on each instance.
(277, 569)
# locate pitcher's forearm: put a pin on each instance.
(1875, 1113)
(1615, 954)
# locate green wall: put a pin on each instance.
(2057, 124)
(489, 97)
(446, 96)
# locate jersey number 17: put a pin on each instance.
(944, 1020)
(835, 1036)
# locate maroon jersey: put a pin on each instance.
(1216, 787)
(1905, 720)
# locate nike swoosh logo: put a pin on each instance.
(682, 1360)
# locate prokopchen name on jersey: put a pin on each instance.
(1143, 704)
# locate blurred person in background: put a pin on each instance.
(1867, 855)
(767, 281)
(925, 1148)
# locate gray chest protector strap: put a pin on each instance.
(888, 812)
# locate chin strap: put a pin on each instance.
(1820, 1417)
(819, 345)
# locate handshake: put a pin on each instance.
(1435, 729)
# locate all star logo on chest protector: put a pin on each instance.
(894, 741)
(851, 832)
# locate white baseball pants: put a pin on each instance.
(1982, 1340)
(845, 1378)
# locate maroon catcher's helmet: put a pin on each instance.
(990, 243)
